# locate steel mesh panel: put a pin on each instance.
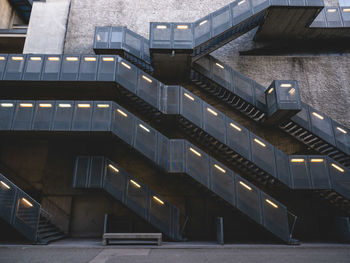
(214, 123)
(101, 37)
(14, 67)
(299, 172)
(96, 172)
(345, 16)
(340, 178)
(333, 17)
(7, 198)
(302, 117)
(321, 125)
(243, 87)
(201, 30)
(259, 5)
(221, 74)
(320, 20)
(116, 39)
(146, 55)
(170, 100)
(3, 61)
(136, 197)
(319, 172)
(342, 137)
(70, 68)
(33, 68)
(222, 182)
(197, 164)
(263, 155)
(183, 38)
(160, 213)
(146, 140)
(241, 11)
(51, 68)
(288, 97)
(221, 20)
(107, 68)
(275, 217)
(177, 158)
(127, 75)
(191, 108)
(7, 109)
(238, 138)
(248, 199)
(63, 115)
(115, 182)
(271, 101)
(205, 64)
(88, 68)
(43, 115)
(123, 124)
(101, 116)
(82, 116)
(133, 43)
(297, 2)
(260, 101)
(148, 89)
(23, 115)
(163, 152)
(282, 167)
(82, 166)
(161, 36)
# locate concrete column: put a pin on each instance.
(47, 27)
(6, 15)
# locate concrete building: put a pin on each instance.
(239, 110)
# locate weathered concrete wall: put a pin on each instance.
(7, 14)
(47, 27)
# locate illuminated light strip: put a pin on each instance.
(63, 105)
(245, 185)
(122, 113)
(53, 58)
(235, 127)
(346, 10)
(286, 85)
(27, 202)
(219, 65)
(143, 127)
(135, 184)
(332, 10)
(161, 27)
(203, 22)
(271, 203)
(270, 90)
(125, 65)
(102, 105)
(182, 27)
(90, 59)
(188, 96)
(84, 105)
(113, 168)
(26, 105)
(239, 3)
(98, 37)
(212, 112)
(5, 185)
(6, 105)
(72, 58)
(146, 78)
(317, 160)
(219, 168)
(109, 59)
(17, 58)
(341, 130)
(260, 142)
(297, 160)
(318, 115)
(158, 200)
(35, 58)
(2, 58)
(292, 91)
(195, 152)
(338, 167)
(45, 105)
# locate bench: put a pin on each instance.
(131, 236)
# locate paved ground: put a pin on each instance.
(93, 252)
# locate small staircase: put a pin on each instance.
(47, 231)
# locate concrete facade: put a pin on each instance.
(7, 15)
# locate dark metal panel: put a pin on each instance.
(7, 198)
(282, 167)
(101, 37)
(342, 137)
(96, 174)
(170, 101)
(33, 67)
(107, 68)
(319, 173)
(133, 43)
(340, 178)
(137, 196)
(115, 181)
(14, 67)
(202, 30)
(23, 116)
(333, 17)
(163, 152)
(160, 35)
(243, 86)
(43, 115)
(52, 67)
(148, 89)
(70, 67)
(146, 140)
(3, 61)
(238, 138)
(222, 20)
(82, 116)
(214, 122)
(197, 164)
(241, 11)
(302, 117)
(7, 109)
(127, 75)
(88, 68)
(177, 160)
(123, 124)
(259, 5)
(101, 116)
(263, 155)
(321, 125)
(297, 2)
(160, 213)
(191, 107)
(116, 38)
(345, 13)
(81, 171)
(320, 20)
(299, 172)
(183, 36)
(63, 116)
(221, 73)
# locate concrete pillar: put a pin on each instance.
(6, 15)
(47, 27)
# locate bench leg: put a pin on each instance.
(104, 242)
(159, 241)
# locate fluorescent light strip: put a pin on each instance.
(6, 105)
(182, 27)
(297, 160)
(286, 85)
(64, 105)
(143, 127)
(346, 10)
(239, 3)
(5, 185)
(203, 22)
(125, 65)
(135, 184)
(113, 168)
(53, 58)
(90, 59)
(260, 142)
(235, 127)
(2, 58)
(195, 152)
(102, 106)
(26, 105)
(27, 202)
(219, 168)
(212, 112)
(35, 58)
(122, 113)
(332, 10)
(161, 27)
(271, 203)
(108, 59)
(245, 185)
(318, 115)
(341, 130)
(45, 105)
(338, 167)
(98, 37)
(146, 78)
(84, 105)
(270, 90)
(188, 96)
(17, 58)
(72, 58)
(317, 160)
(219, 65)
(292, 91)
(158, 200)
